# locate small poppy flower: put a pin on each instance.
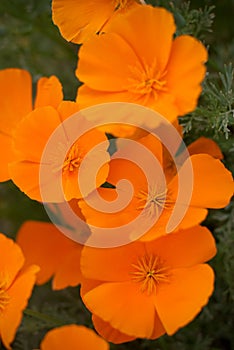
(80, 20)
(158, 287)
(16, 284)
(75, 337)
(153, 197)
(16, 103)
(142, 64)
(30, 141)
(57, 256)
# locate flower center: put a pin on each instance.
(153, 202)
(73, 158)
(147, 80)
(4, 296)
(149, 271)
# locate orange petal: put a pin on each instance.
(15, 103)
(107, 264)
(75, 337)
(184, 248)
(19, 293)
(77, 21)
(66, 109)
(88, 97)
(100, 64)
(43, 244)
(5, 157)
(108, 332)
(68, 273)
(192, 217)
(124, 307)
(11, 261)
(180, 300)
(153, 40)
(49, 92)
(186, 71)
(212, 182)
(205, 145)
(15, 97)
(30, 140)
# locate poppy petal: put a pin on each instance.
(180, 300)
(75, 337)
(173, 248)
(43, 244)
(184, 79)
(122, 313)
(49, 92)
(12, 259)
(19, 293)
(108, 332)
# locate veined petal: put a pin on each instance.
(19, 293)
(185, 72)
(49, 92)
(122, 313)
(179, 301)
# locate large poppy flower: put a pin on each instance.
(143, 64)
(63, 161)
(153, 197)
(16, 285)
(143, 290)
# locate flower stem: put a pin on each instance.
(45, 318)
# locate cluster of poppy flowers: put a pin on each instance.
(160, 281)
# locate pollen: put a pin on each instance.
(73, 158)
(4, 296)
(150, 271)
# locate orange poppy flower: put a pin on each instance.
(58, 256)
(16, 103)
(142, 64)
(75, 337)
(152, 290)
(16, 284)
(155, 199)
(80, 20)
(34, 175)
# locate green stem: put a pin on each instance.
(43, 317)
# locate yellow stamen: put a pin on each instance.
(150, 270)
(73, 158)
(153, 202)
(146, 80)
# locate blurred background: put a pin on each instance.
(29, 40)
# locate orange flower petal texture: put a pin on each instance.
(15, 288)
(75, 337)
(58, 256)
(114, 289)
(15, 103)
(142, 64)
(80, 20)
